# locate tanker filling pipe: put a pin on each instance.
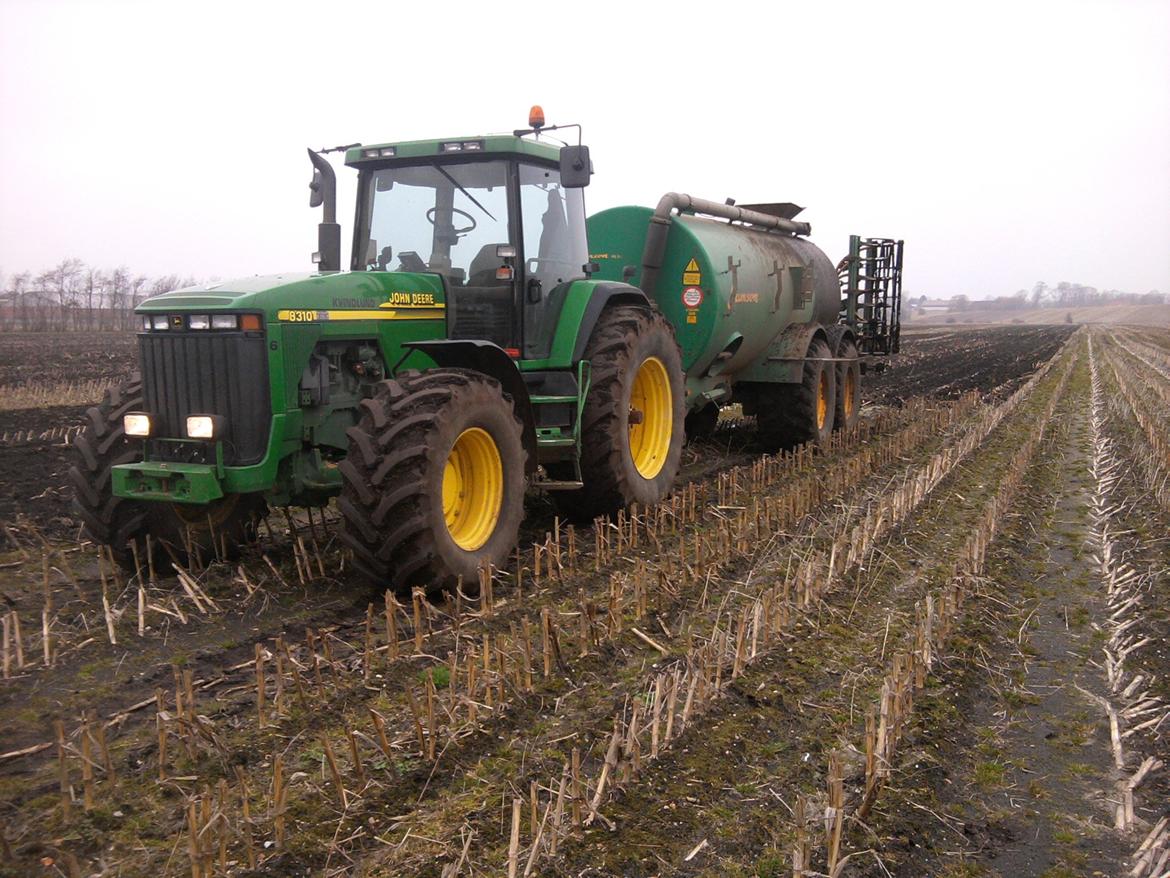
(660, 225)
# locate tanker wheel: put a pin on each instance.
(847, 411)
(788, 415)
(632, 424)
(116, 521)
(433, 484)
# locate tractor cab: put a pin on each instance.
(493, 216)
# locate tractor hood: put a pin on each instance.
(311, 297)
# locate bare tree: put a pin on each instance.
(119, 289)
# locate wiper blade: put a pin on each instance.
(465, 192)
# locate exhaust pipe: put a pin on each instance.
(323, 189)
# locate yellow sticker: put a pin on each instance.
(411, 300)
(692, 277)
(692, 317)
(298, 315)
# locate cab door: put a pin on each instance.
(554, 250)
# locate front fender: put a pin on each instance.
(490, 359)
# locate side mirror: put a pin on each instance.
(315, 197)
(575, 167)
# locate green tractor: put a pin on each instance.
(486, 339)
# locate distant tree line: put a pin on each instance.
(1062, 295)
(74, 296)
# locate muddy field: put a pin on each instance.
(939, 648)
(938, 363)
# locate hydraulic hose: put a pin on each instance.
(670, 202)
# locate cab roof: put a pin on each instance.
(498, 144)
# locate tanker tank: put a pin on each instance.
(729, 289)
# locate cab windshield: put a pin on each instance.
(447, 219)
(453, 218)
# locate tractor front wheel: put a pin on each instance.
(632, 426)
(433, 485)
(117, 522)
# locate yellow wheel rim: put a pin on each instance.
(473, 489)
(822, 399)
(850, 389)
(651, 418)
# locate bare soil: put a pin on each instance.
(946, 362)
(1005, 767)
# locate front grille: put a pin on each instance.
(185, 373)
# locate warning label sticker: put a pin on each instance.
(692, 297)
(691, 274)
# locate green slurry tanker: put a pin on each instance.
(487, 338)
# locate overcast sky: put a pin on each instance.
(1005, 142)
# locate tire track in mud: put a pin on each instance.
(599, 737)
(1021, 763)
(767, 741)
(511, 723)
(233, 705)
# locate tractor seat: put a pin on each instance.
(483, 307)
(482, 271)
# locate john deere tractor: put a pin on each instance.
(473, 349)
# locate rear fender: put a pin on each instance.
(490, 359)
(837, 336)
(579, 315)
(783, 363)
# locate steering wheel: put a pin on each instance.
(431, 219)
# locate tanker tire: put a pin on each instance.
(117, 522)
(392, 502)
(623, 340)
(786, 414)
(846, 415)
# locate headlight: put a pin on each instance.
(223, 321)
(136, 424)
(204, 426)
(198, 321)
(159, 321)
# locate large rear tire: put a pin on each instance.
(433, 485)
(117, 522)
(788, 415)
(847, 411)
(632, 425)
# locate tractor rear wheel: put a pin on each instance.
(433, 485)
(117, 522)
(632, 424)
(788, 415)
(848, 408)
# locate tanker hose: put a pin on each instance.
(655, 250)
